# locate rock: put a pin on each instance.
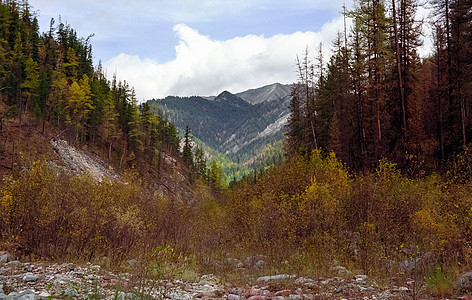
(275, 277)
(340, 289)
(295, 297)
(283, 293)
(421, 262)
(28, 297)
(13, 295)
(44, 295)
(361, 278)
(266, 293)
(253, 292)
(70, 292)
(256, 298)
(30, 277)
(14, 264)
(464, 283)
(209, 279)
(277, 298)
(208, 294)
(236, 292)
(341, 271)
(3, 296)
(233, 297)
(7, 257)
(177, 296)
(255, 262)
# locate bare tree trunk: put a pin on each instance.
(439, 88)
(399, 68)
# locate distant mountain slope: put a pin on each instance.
(238, 125)
(266, 93)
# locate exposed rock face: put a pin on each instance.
(78, 162)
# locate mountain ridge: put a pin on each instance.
(238, 125)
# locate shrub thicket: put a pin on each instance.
(306, 213)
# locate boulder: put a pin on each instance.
(283, 293)
(30, 277)
(464, 283)
(341, 271)
(275, 277)
(7, 257)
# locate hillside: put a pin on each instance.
(237, 125)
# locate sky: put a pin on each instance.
(199, 47)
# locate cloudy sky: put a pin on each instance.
(198, 47)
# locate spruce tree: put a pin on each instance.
(187, 154)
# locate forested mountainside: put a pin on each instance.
(247, 127)
(52, 76)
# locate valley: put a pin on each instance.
(246, 129)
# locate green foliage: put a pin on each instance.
(216, 177)
(438, 283)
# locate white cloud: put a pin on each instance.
(203, 66)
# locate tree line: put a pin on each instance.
(376, 98)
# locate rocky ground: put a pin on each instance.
(41, 280)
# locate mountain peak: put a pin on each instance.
(269, 92)
(231, 99)
(224, 94)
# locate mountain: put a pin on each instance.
(266, 94)
(241, 125)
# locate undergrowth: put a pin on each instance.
(303, 217)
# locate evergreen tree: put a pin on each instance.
(187, 154)
(200, 164)
(135, 133)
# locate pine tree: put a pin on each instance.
(135, 133)
(187, 154)
(200, 164)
